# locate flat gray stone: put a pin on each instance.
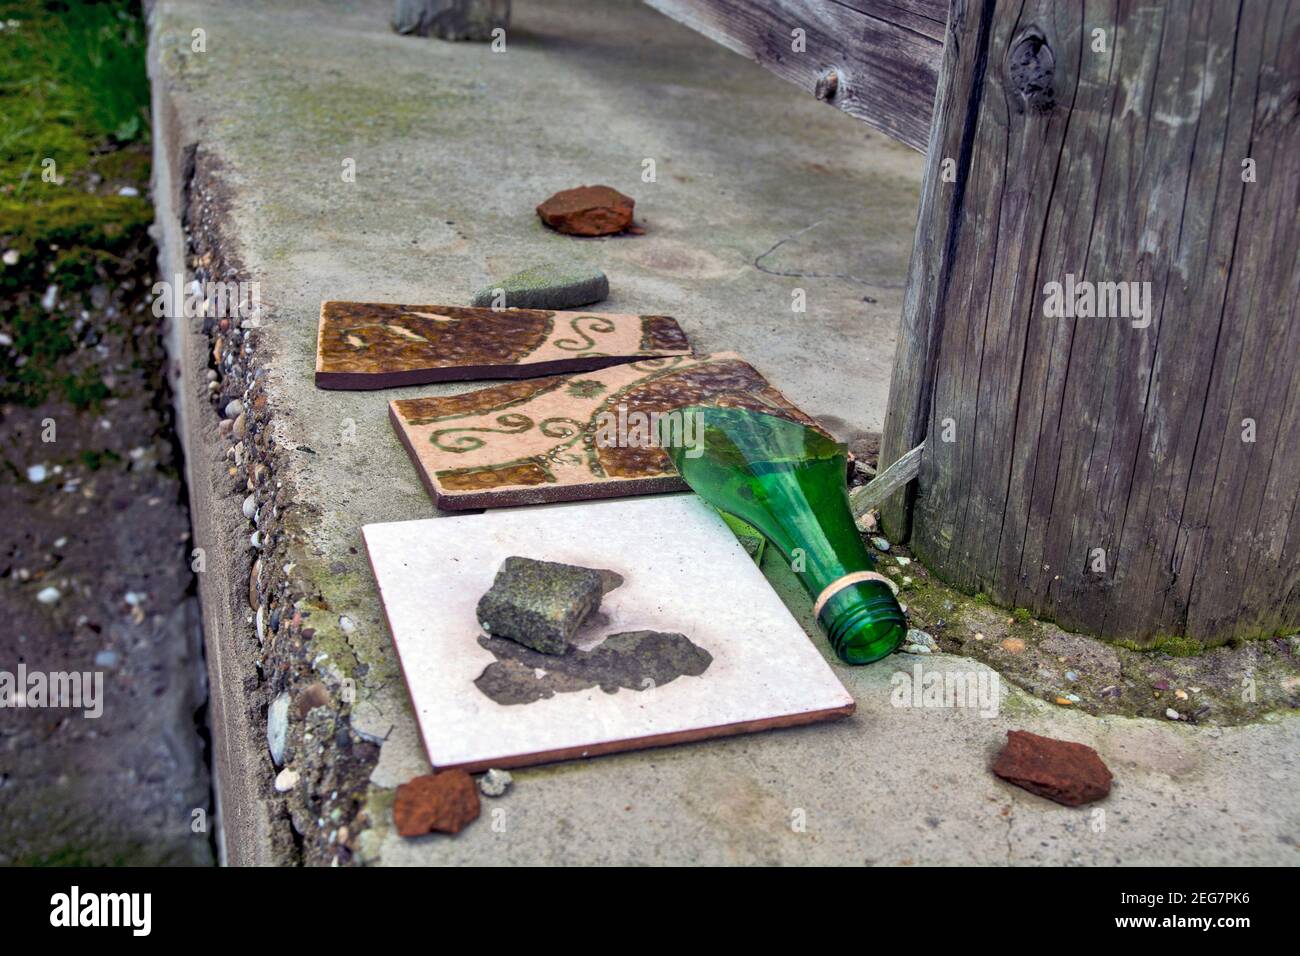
(545, 287)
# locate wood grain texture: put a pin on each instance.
(886, 484)
(926, 17)
(965, 60)
(1074, 439)
(886, 54)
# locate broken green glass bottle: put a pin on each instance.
(788, 482)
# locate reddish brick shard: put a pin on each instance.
(444, 802)
(588, 211)
(1069, 773)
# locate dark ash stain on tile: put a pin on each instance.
(635, 660)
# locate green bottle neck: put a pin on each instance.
(863, 622)
(787, 480)
(808, 520)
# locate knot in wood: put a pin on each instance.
(1031, 69)
(827, 85)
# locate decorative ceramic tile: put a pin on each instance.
(693, 644)
(377, 345)
(537, 441)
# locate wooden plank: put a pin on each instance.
(1103, 471)
(927, 17)
(886, 484)
(885, 55)
(942, 196)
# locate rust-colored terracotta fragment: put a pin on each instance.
(547, 439)
(588, 211)
(362, 345)
(444, 802)
(1069, 773)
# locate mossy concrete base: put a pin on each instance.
(1217, 686)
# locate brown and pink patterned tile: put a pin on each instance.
(548, 439)
(364, 345)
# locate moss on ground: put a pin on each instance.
(1234, 683)
(73, 120)
(1175, 645)
(72, 79)
(70, 239)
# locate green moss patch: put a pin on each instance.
(1222, 685)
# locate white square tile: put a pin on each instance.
(683, 572)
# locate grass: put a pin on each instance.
(72, 82)
(74, 97)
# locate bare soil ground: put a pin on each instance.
(95, 554)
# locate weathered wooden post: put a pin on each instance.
(1101, 339)
(451, 19)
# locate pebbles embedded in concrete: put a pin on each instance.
(253, 601)
(277, 727)
(286, 780)
(234, 408)
(879, 543)
(495, 782)
(49, 595)
(545, 287)
(249, 507)
(915, 636)
(36, 474)
(310, 697)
